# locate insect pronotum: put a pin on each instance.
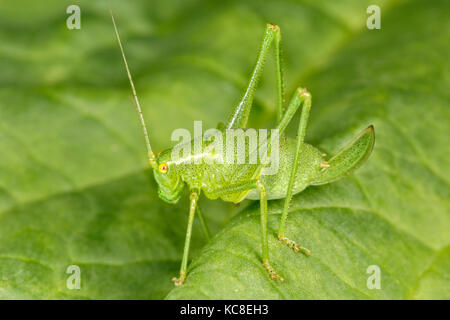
(300, 164)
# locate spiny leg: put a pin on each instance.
(241, 112)
(301, 96)
(279, 74)
(264, 241)
(193, 204)
(297, 99)
(245, 186)
(306, 97)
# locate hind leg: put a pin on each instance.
(300, 138)
(239, 117)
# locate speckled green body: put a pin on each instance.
(209, 177)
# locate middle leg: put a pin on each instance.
(264, 241)
(245, 186)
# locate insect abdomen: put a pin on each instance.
(308, 167)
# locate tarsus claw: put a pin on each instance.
(294, 246)
(179, 281)
(272, 273)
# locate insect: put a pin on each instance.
(300, 164)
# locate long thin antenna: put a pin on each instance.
(151, 155)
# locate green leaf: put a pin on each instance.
(74, 183)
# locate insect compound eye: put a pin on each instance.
(163, 167)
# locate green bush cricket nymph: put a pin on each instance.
(300, 164)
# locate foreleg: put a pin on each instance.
(193, 204)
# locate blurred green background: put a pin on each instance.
(75, 188)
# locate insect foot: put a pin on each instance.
(272, 273)
(179, 281)
(294, 246)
